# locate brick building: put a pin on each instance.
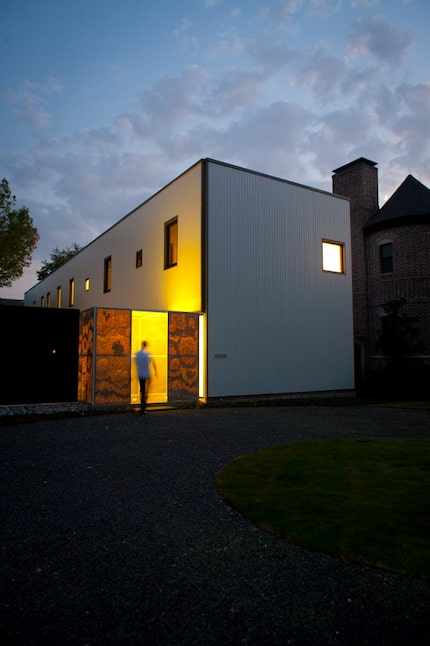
(390, 259)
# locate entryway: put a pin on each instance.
(153, 328)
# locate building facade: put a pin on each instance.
(240, 281)
(390, 263)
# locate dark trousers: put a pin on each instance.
(143, 392)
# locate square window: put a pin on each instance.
(386, 257)
(171, 243)
(333, 254)
(139, 258)
(107, 276)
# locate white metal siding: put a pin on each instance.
(150, 286)
(276, 322)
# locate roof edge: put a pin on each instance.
(353, 163)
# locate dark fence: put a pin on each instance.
(39, 355)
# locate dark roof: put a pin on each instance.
(411, 201)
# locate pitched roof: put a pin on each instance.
(410, 201)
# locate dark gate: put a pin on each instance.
(39, 355)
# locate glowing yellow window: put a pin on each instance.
(87, 284)
(333, 257)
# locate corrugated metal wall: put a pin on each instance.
(276, 322)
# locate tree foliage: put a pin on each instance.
(399, 337)
(18, 237)
(57, 258)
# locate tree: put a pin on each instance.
(403, 374)
(18, 237)
(58, 258)
(399, 337)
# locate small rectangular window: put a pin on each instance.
(139, 258)
(87, 284)
(333, 254)
(171, 243)
(42, 301)
(386, 257)
(59, 296)
(48, 299)
(71, 292)
(107, 279)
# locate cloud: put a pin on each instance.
(228, 44)
(412, 122)
(30, 100)
(184, 37)
(237, 89)
(281, 13)
(324, 8)
(371, 35)
(270, 56)
(321, 72)
(170, 102)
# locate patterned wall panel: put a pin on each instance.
(86, 349)
(112, 380)
(112, 367)
(183, 371)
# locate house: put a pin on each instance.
(390, 260)
(240, 281)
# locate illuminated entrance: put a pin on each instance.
(151, 327)
(108, 341)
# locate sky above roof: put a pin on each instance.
(103, 103)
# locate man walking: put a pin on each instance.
(144, 359)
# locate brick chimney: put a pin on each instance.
(358, 181)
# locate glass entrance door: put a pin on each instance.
(153, 328)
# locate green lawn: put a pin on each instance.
(363, 500)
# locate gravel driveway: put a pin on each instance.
(113, 532)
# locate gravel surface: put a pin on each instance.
(113, 532)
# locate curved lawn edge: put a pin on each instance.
(362, 500)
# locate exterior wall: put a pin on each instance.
(150, 286)
(410, 278)
(276, 322)
(183, 370)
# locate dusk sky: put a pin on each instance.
(104, 102)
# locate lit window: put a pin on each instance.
(333, 257)
(42, 301)
(71, 292)
(139, 258)
(386, 257)
(107, 280)
(59, 296)
(171, 243)
(87, 284)
(48, 299)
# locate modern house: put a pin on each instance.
(390, 260)
(240, 281)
